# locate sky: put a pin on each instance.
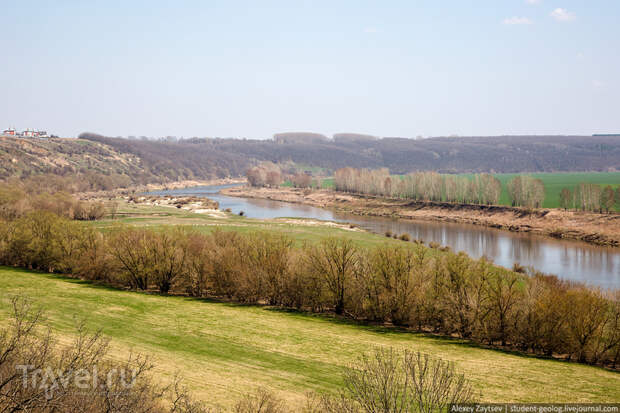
(254, 68)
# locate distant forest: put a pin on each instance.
(202, 157)
(95, 162)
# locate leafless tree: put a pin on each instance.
(336, 260)
(390, 381)
(566, 198)
(608, 198)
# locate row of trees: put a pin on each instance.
(590, 197)
(526, 191)
(482, 189)
(408, 285)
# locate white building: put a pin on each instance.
(9, 132)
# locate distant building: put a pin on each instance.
(9, 132)
(28, 133)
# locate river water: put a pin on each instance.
(572, 260)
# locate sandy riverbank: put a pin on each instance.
(599, 229)
(157, 187)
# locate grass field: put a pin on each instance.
(300, 230)
(554, 182)
(225, 350)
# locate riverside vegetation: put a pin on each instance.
(477, 189)
(399, 283)
(445, 292)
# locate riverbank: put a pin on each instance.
(157, 187)
(598, 229)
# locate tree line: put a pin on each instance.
(590, 197)
(406, 285)
(481, 189)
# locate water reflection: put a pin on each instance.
(599, 266)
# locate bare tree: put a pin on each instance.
(37, 374)
(262, 401)
(608, 198)
(566, 198)
(588, 197)
(526, 191)
(336, 260)
(390, 381)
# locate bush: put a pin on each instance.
(23, 350)
(404, 237)
(390, 381)
(263, 401)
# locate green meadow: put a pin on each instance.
(299, 230)
(225, 350)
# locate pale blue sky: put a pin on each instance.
(253, 68)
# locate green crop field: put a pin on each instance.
(224, 350)
(554, 182)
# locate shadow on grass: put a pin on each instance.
(324, 317)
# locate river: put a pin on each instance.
(571, 260)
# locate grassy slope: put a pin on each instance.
(224, 350)
(20, 157)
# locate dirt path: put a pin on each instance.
(599, 229)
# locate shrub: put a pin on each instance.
(263, 401)
(21, 344)
(390, 381)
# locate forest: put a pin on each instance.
(222, 157)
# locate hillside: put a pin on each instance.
(106, 166)
(22, 157)
(468, 154)
(126, 161)
(225, 350)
